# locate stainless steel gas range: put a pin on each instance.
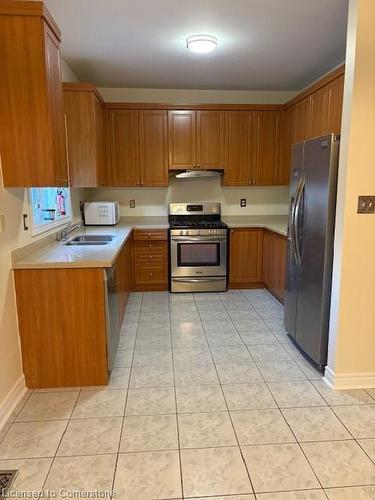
(198, 248)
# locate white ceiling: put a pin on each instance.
(263, 44)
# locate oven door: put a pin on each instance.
(198, 256)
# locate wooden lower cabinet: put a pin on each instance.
(150, 254)
(245, 258)
(274, 263)
(257, 259)
(62, 325)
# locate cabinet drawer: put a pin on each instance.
(150, 247)
(160, 234)
(150, 273)
(153, 259)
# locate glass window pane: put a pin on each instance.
(49, 206)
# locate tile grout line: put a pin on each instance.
(228, 412)
(60, 441)
(126, 401)
(295, 437)
(177, 413)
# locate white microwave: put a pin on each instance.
(101, 213)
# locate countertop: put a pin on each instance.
(54, 254)
(276, 223)
(47, 253)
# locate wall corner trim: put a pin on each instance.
(11, 400)
(341, 381)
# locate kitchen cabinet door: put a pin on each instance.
(319, 109)
(245, 261)
(56, 106)
(283, 166)
(336, 89)
(153, 147)
(266, 147)
(181, 140)
(301, 120)
(238, 148)
(274, 263)
(124, 147)
(85, 124)
(32, 137)
(210, 139)
(102, 152)
(280, 252)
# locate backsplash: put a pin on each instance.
(154, 201)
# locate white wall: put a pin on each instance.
(154, 201)
(13, 203)
(351, 357)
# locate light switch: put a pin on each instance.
(2, 223)
(366, 205)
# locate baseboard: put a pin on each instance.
(11, 400)
(343, 381)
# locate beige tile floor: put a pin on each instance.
(208, 399)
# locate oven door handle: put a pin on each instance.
(193, 239)
(198, 280)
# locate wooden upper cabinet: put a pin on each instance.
(153, 147)
(266, 147)
(238, 148)
(210, 139)
(336, 89)
(181, 139)
(245, 264)
(124, 143)
(32, 135)
(284, 164)
(301, 120)
(319, 109)
(86, 130)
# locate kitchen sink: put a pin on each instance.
(90, 240)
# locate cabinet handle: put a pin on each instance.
(150, 258)
(150, 245)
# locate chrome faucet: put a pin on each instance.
(63, 235)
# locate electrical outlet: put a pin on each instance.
(366, 205)
(132, 203)
(243, 202)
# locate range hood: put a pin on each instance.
(197, 174)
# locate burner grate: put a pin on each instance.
(6, 479)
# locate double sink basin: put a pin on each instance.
(90, 240)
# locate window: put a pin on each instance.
(49, 207)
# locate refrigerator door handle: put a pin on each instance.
(297, 206)
(291, 237)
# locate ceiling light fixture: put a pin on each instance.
(201, 43)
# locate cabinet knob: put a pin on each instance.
(150, 274)
(198, 165)
(150, 245)
(150, 257)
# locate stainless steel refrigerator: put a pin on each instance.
(310, 244)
